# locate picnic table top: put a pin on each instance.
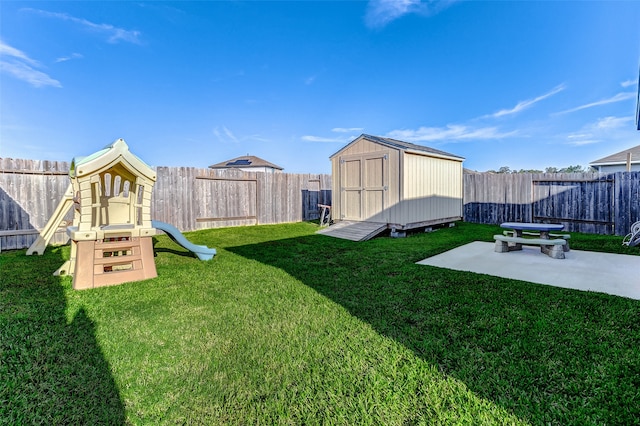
(525, 226)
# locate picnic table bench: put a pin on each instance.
(566, 237)
(515, 238)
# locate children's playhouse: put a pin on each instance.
(111, 235)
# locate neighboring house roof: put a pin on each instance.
(619, 158)
(245, 162)
(404, 146)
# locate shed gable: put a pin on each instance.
(388, 143)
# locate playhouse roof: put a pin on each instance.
(116, 152)
(245, 162)
(403, 146)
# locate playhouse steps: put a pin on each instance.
(113, 261)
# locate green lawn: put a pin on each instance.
(285, 326)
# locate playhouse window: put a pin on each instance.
(107, 185)
(139, 205)
(116, 185)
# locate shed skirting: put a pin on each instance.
(423, 224)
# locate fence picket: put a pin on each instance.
(186, 197)
(191, 198)
(589, 202)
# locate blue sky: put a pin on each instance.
(518, 84)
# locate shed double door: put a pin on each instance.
(364, 181)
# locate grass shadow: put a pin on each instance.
(546, 354)
(184, 253)
(52, 370)
(159, 246)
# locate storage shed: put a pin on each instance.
(400, 184)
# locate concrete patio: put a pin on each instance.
(616, 274)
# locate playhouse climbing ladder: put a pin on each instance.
(119, 257)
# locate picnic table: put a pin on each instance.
(525, 233)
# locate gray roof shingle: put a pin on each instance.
(246, 161)
(403, 146)
(621, 157)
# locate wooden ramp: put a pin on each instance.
(354, 231)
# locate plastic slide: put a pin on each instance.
(40, 244)
(203, 252)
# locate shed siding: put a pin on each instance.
(363, 146)
(379, 183)
(432, 189)
(376, 176)
(354, 158)
(336, 211)
(393, 193)
(614, 168)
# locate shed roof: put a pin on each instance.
(403, 146)
(620, 157)
(244, 162)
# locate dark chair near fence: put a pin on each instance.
(325, 214)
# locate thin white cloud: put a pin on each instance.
(114, 34)
(230, 135)
(381, 12)
(6, 50)
(528, 103)
(24, 72)
(337, 139)
(617, 98)
(225, 135)
(452, 132)
(583, 142)
(311, 79)
(610, 123)
(603, 129)
(258, 138)
(22, 67)
(581, 139)
(629, 83)
(68, 58)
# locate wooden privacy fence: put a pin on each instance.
(186, 197)
(583, 202)
(29, 193)
(191, 198)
